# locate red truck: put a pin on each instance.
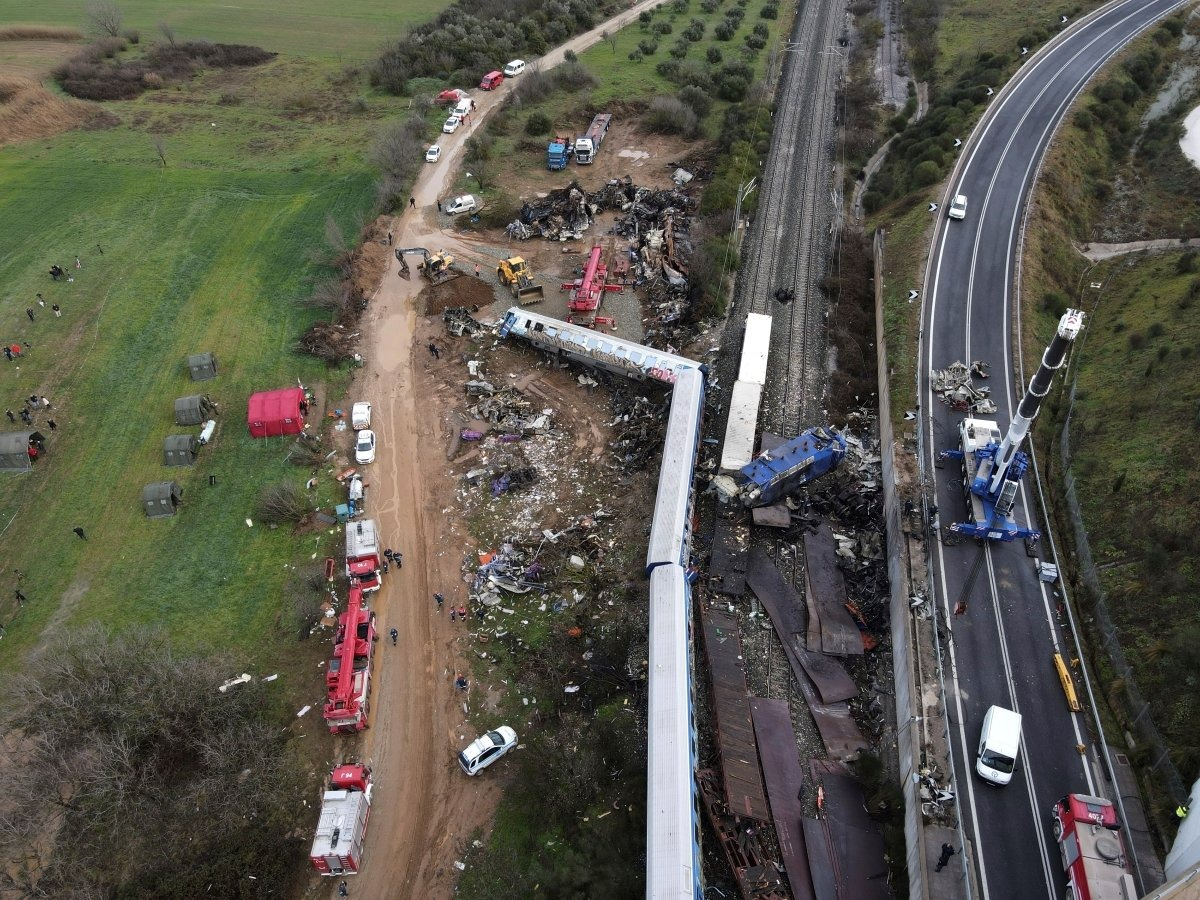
(348, 681)
(364, 556)
(1088, 835)
(337, 848)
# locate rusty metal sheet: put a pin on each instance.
(839, 632)
(731, 711)
(727, 565)
(783, 605)
(854, 843)
(821, 861)
(785, 781)
(777, 515)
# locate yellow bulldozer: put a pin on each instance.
(514, 272)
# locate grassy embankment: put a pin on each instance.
(207, 252)
(1116, 173)
(304, 28)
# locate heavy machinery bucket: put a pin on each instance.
(528, 294)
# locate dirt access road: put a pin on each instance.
(425, 808)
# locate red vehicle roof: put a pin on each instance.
(272, 413)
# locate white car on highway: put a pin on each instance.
(433, 154)
(451, 125)
(485, 750)
(364, 447)
(958, 207)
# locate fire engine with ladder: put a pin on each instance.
(1088, 835)
(587, 293)
(348, 681)
(337, 847)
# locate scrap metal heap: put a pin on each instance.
(655, 223)
(956, 387)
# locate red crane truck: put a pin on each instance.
(588, 292)
(1089, 838)
(337, 848)
(348, 681)
(364, 556)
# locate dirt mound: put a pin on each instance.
(28, 111)
(465, 290)
(39, 33)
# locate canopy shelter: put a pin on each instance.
(194, 410)
(20, 449)
(180, 450)
(161, 499)
(273, 413)
(203, 366)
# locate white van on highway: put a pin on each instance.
(999, 743)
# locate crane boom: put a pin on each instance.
(1053, 358)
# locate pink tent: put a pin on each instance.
(273, 413)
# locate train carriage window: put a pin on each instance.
(537, 327)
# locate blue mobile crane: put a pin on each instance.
(993, 468)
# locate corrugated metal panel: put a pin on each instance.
(755, 347)
(738, 449)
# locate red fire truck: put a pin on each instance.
(364, 556)
(1093, 852)
(345, 808)
(348, 681)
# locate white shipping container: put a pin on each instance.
(755, 346)
(738, 449)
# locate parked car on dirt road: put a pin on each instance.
(364, 447)
(451, 125)
(433, 154)
(465, 203)
(485, 750)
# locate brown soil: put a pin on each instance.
(29, 111)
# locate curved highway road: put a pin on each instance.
(1000, 652)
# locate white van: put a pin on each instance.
(464, 107)
(999, 743)
(514, 68)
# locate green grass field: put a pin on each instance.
(349, 31)
(971, 27)
(208, 253)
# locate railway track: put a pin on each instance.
(788, 245)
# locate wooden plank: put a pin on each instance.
(785, 781)
(731, 710)
(839, 632)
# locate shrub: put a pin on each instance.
(669, 115)
(680, 6)
(572, 76)
(649, 48)
(533, 87)
(770, 11)
(733, 88)
(131, 35)
(668, 68)
(697, 99)
(1156, 330)
(734, 16)
(1054, 303)
(570, 56)
(754, 42)
(537, 123)
(679, 51)
(714, 55)
(926, 173)
(662, 28)
(724, 31)
(694, 32)
(762, 31)
(1137, 340)
(1186, 263)
(645, 17)
(635, 55)
(710, 6)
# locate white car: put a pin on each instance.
(433, 154)
(360, 415)
(958, 207)
(514, 68)
(485, 750)
(465, 203)
(364, 447)
(451, 125)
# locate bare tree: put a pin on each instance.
(106, 17)
(160, 149)
(168, 33)
(611, 37)
(283, 502)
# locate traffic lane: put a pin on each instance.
(1003, 821)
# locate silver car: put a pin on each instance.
(485, 750)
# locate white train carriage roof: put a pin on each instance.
(595, 347)
(672, 819)
(756, 344)
(671, 523)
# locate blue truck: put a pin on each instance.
(558, 154)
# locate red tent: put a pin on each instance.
(273, 413)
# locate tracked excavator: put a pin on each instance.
(437, 267)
